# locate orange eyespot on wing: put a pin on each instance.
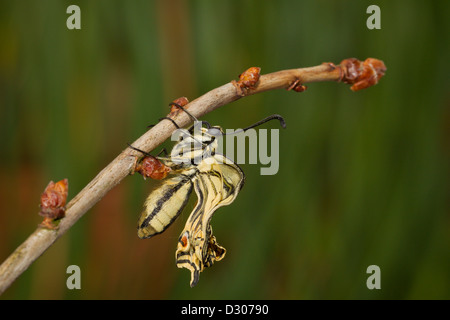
(184, 240)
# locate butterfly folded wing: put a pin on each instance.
(216, 185)
(164, 204)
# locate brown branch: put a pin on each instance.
(351, 71)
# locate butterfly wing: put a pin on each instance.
(217, 184)
(165, 203)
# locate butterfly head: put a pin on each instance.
(197, 144)
(204, 134)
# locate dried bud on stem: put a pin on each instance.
(362, 74)
(297, 86)
(247, 80)
(151, 167)
(53, 203)
(182, 101)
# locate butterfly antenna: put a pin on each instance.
(269, 118)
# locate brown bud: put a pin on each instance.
(249, 77)
(53, 202)
(297, 86)
(182, 101)
(151, 167)
(362, 74)
(247, 80)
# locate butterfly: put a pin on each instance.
(194, 166)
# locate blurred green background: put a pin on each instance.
(363, 178)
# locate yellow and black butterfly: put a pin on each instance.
(216, 180)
